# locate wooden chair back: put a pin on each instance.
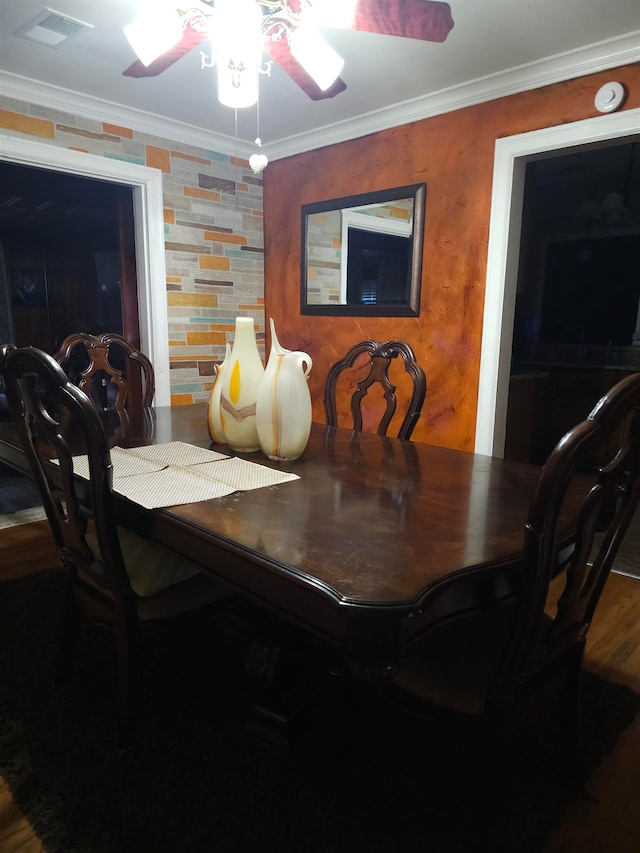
(515, 655)
(56, 420)
(543, 641)
(108, 369)
(381, 356)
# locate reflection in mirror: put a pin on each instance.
(362, 255)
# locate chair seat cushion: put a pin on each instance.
(200, 592)
(455, 665)
(150, 566)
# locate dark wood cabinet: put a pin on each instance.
(544, 406)
(574, 392)
(527, 417)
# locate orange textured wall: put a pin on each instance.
(453, 154)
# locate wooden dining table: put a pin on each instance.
(377, 540)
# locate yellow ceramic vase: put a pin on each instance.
(239, 389)
(213, 411)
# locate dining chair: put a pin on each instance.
(381, 356)
(498, 666)
(109, 369)
(133, 586)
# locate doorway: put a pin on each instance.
(577, 314)
(68, 250)
(512, 154)
(146, 184)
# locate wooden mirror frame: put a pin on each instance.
(410, 308)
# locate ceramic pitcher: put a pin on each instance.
(213, 412)
(283, 410)
(239, 391)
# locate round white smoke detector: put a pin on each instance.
(609, 97)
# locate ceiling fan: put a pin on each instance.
(288, 33)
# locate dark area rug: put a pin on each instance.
(197, 781)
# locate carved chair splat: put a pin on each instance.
(381, 356)
(133, 380)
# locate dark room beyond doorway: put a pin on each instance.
(67, 257)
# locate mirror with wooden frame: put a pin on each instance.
(362, 254)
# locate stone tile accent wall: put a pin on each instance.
(324, 249)
(213, 221)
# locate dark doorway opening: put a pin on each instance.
(592, 291)
(67, 260)
(575, 328)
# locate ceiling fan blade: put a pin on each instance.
(280, 52)
(427, 20)
(190, 39)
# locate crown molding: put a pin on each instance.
(65, 100)
(611, 53)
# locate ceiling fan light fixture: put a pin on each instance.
(237, 29)
(316, 55)
(237, 86)
(155, 31)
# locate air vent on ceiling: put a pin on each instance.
(52, 28)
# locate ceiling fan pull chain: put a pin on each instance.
(258, 161)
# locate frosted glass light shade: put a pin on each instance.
(330, 13)
(154, 32)
(316, 55)
(237, 86)
(237, 38)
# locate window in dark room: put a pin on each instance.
(377, 268)
(592, 291)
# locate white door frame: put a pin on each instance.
(511, 156)
(149, 235)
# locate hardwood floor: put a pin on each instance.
(608, 821)
(16, 835)
(23, 550)
(628, 558)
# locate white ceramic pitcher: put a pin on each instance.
(283, 408)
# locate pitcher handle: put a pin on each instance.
(303, 358)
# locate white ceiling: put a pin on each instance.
(496, 47)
